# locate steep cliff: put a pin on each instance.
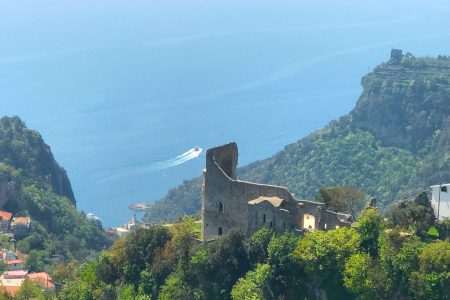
(394, 143)
(33, 184)
(25, 150)
(10, 187)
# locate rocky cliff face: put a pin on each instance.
(25, 150)
(405, 102)
(394, 143)
(10, 188)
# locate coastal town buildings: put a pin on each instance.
(20, 226)
(129, 227)
(12, 279)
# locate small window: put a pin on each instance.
(219, 231)
(444, 189)
(271, 224)
(325, 226)
(264, 218)
(220, 207)
(337, 226)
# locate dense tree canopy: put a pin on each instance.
(376, 258)
(343, 199)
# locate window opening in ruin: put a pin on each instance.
(220, 207)
(309, 221)
(444, 189)
(270, 224)
(219, 231)
(264, 218)
(337, 226)
(325, 226)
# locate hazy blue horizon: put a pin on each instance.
(120, 90)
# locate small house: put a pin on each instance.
(5, 220)
(14, 265)
(43, 279)
(8, 255)
(440, 200)
(20, 226)
(11, 281)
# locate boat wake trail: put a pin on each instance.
(159, 166)
(180, 159)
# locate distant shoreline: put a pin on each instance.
(139, 206)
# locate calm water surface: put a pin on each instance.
(122, 90)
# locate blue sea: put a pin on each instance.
(123, 91)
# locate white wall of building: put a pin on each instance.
(440, 200)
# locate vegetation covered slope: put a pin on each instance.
(33, 184)
(395, 142)
(402, 255)
(25, 150)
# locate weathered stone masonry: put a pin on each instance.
(229, 203)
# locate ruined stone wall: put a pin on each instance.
(225, 201)
(310, 208)
(324, 219)
(332, 220)
(221, 186)
(265, 214)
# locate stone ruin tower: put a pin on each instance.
(219, 211)
(229, 203)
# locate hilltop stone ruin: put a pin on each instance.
(229, 203)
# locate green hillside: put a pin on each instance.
(32, 184)
(394, 143)
(25, 150)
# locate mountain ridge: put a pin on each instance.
(393, 144)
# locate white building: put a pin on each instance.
(440, 200)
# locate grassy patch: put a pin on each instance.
(433, 232)
(198, 229)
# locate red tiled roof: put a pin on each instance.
(43, 278)
(21, 220)
(14, 261)
(5, 216)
